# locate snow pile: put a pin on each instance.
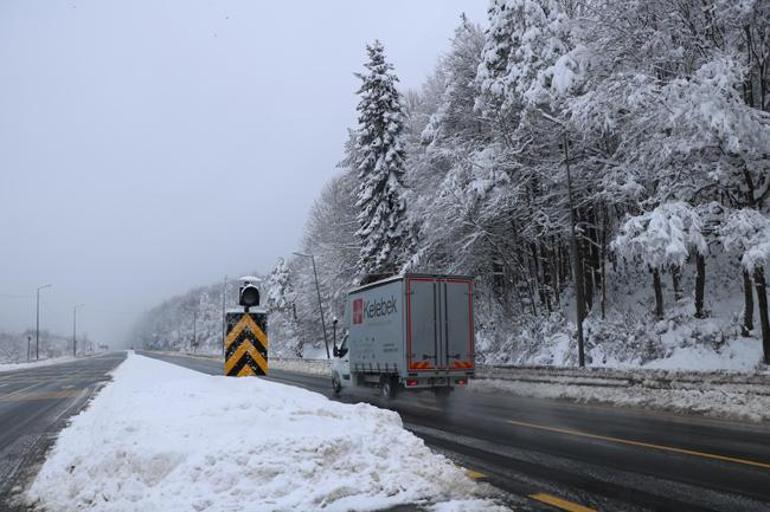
(311, 366)
(736, 354)
(164, 438)
(9, 367)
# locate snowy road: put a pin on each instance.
(598, 457)
(34, 406)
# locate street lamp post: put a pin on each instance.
(37, 321)
(320, 305)
(224, 315)
(75, 329)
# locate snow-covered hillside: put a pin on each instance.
(614, 151)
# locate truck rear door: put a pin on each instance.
(457, 299)
(422, 327)
(439, 324)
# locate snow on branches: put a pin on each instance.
(662, 237)
(524, 60)
(747, 231)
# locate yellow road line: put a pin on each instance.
(476, 475)
(684, 451)
(560, 503)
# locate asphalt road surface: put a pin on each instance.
(35, 404)
(555, 455)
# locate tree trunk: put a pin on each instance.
(535, 272)
(748, 306)
(677, 282)
(555, 271)
(576, 261)
(759, 282)
(547, 277)
(658, 293)
(604, 274)
(700, 285)
(588, 280)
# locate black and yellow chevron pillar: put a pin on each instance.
(246, 344)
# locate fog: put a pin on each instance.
(149, 147)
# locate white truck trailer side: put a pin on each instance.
(413, 331)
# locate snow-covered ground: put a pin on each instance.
(8, 367)
(676, 349)
(164, 438)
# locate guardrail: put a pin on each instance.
(758, 383)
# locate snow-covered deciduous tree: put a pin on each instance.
(379, 163)
(662, 238)
(280, 289)
(281, 303)
(747, 232)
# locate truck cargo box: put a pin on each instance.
(418, 327)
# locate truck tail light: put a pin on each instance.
(461, 382)
(411, 382)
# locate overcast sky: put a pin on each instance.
(147, 147)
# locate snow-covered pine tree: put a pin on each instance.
(379, 161)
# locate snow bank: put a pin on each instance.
(9, 367)
(310, 366)
(717, 395)
(736, 355)
(164, 438)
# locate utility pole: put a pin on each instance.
(29, 348)
(75, 329)
(576, 264)
(320, 305)
(37, 321)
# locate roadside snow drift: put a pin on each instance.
(164, 438)
(10, 367)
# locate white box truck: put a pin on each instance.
(408, 332)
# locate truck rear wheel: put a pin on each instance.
(388, 387)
